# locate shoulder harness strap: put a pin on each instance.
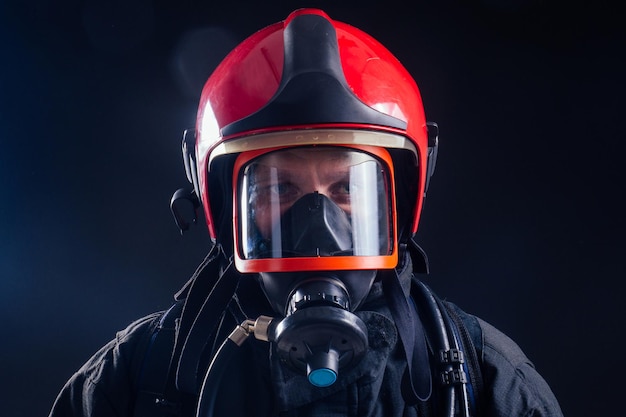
(156, 383)
(472, 340)
(152, 380)
(469, 336)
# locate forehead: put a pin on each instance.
(323, 158)
(303, 155)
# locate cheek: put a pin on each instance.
(265, 217)
(262, 218)
(345, 207)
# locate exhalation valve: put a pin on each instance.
(320, 336)
(323, 368)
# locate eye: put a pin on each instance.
(284, 191)
(341, 188)
(340, 192)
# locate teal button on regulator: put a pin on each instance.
(322, 377)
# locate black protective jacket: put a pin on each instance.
(134, 375)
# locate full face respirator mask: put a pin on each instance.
(315, 223)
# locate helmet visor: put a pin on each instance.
(317, 202)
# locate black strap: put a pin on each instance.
(417, 383)
(188, 377)
(152, 379)
(157, 393)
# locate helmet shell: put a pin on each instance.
(285, 77)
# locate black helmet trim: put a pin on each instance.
(313, 88)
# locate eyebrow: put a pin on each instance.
(263, 172)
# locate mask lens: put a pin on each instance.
(314, 202)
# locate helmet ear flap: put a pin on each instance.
(189, 158)
(433, 147)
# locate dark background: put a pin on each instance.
(524, 222)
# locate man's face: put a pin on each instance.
(282, 178)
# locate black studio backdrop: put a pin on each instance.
(523, 222)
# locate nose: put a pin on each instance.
(316, 202)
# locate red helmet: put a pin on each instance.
(309, 81)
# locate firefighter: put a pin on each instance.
(310, 159)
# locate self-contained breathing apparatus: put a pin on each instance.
(452, 386)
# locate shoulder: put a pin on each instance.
(120, 351)
(102, 386)
(514, 386)
(500, 349)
